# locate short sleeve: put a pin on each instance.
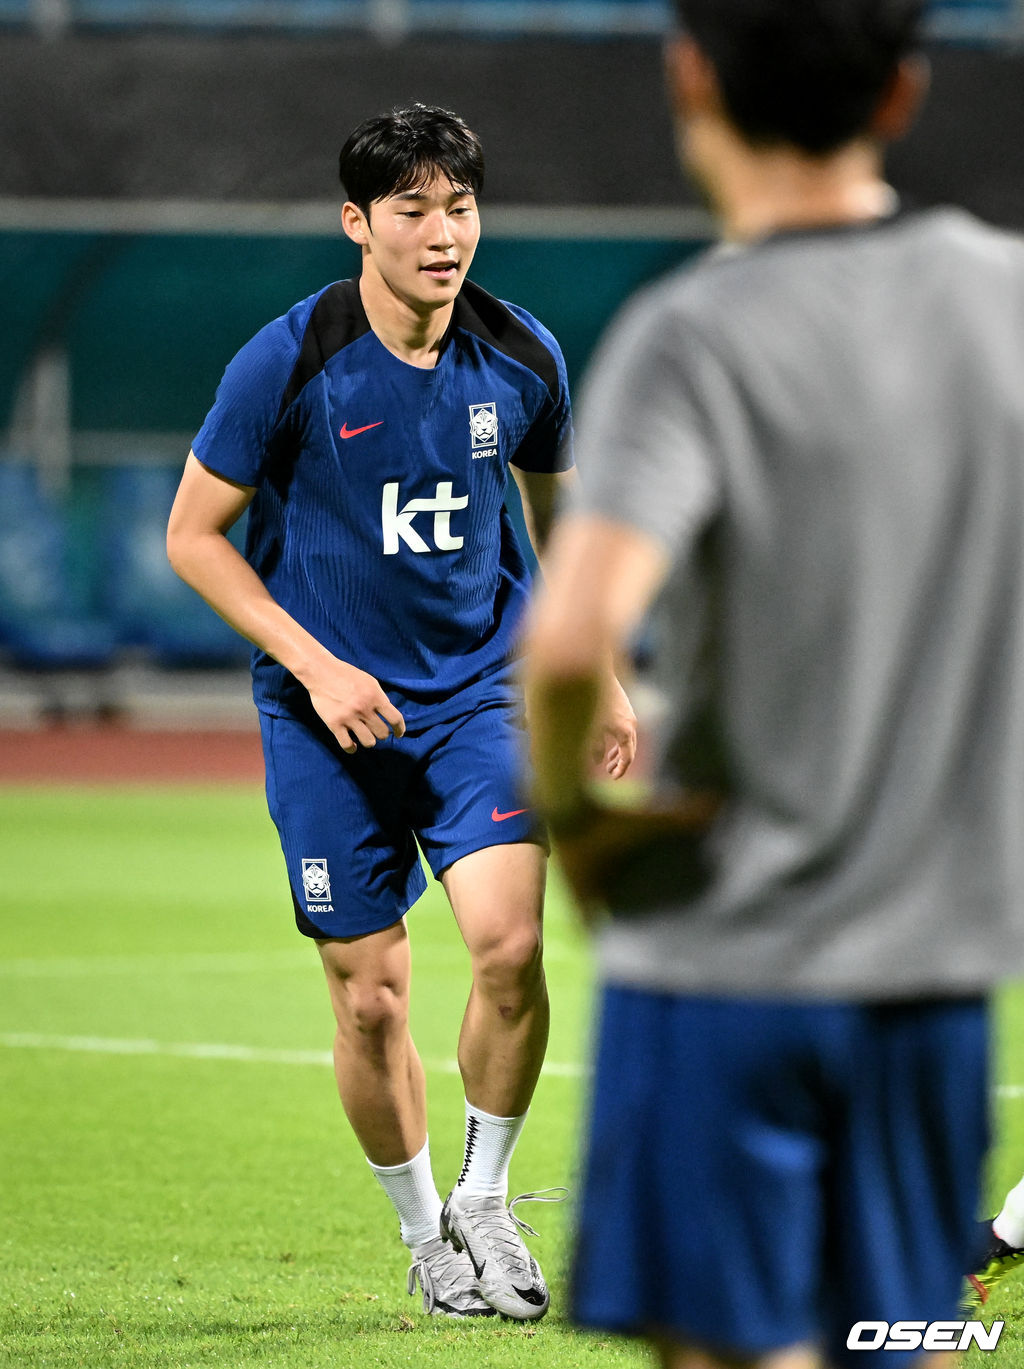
(643, 444)
(548, 444)
(235, 437)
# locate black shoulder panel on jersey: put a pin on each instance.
(337, 319)
(493, 322)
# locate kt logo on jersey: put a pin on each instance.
(398, 522)
(483, 429)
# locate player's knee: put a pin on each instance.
(510, 965)
(372, 1011)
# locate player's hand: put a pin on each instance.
(354, 707)
(614, 748)
(601, 839)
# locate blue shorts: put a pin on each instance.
(761, 1175)
(349, 825)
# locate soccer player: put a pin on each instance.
(803, 461)
(370, 431)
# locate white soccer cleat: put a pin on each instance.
(447, 1280)
(507, 1275)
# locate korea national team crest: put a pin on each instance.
(483, 428)
(316, 881)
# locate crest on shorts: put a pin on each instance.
(315, 880)
(483, 424)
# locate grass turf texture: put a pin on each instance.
(160, 1209)
(168, 1204)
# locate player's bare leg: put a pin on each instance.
(379, 1073)
(383, 1090)
(670, 1355)
(497, 895)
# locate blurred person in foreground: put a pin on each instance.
(806, 455)
(371, 432)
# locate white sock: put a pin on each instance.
(413, 1195)
(1009, 1225)
(490, 1142)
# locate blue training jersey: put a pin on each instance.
(379, 521)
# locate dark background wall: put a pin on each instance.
(563, 121)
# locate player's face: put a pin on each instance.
(421, 242)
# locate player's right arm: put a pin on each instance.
(351, 702)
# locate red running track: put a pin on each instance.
(109, 754)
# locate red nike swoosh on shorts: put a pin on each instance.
(346, 431)
(500, 817)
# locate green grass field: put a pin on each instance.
(177, 1184)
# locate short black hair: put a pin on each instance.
(407, 148)
(805, 72)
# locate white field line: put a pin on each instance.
(192, 1050)
(210, 1050)
(263, 1055)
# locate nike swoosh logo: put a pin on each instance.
(346, 431)
(500, 817)
(530, 1295)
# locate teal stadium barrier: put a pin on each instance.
(149, 322)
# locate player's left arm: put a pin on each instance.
(601, 579)
(544, 496)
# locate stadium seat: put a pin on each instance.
(951, 20)
(509, 18)
(253, 14)
(46, 623)
(152, 609)
(974, 20)
(15, 11)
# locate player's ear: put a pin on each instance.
(355, 223)
(690, 78)
(902, 98)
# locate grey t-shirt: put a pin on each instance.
(826, 431)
